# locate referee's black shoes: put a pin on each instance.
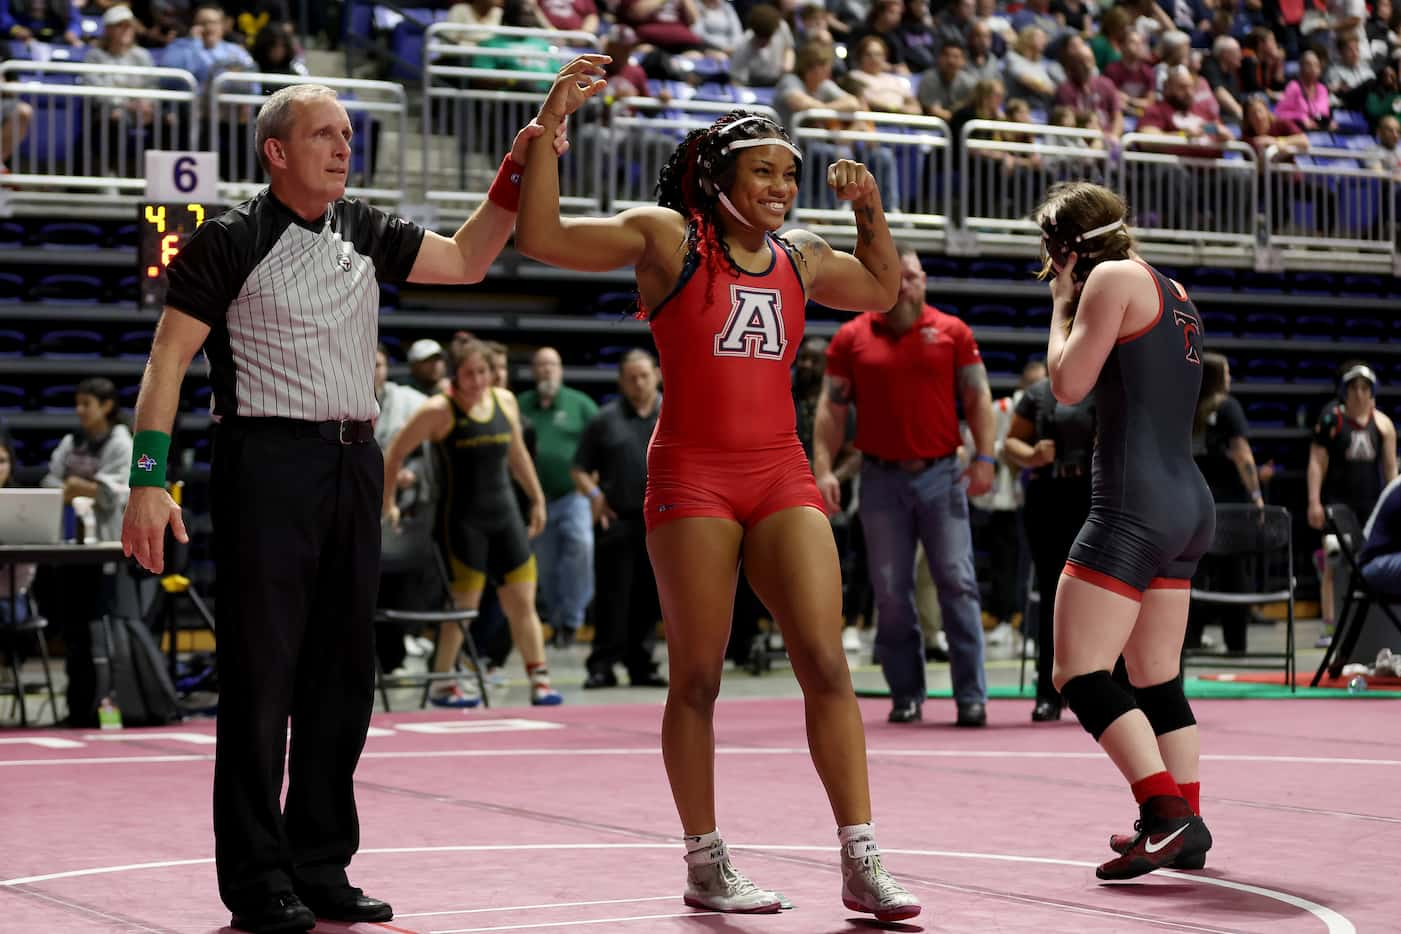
(347, 904)
(1169, 836)
(280, 912)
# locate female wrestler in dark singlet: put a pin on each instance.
(727, 477)
(1121, 329)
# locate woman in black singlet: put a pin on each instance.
(475, 429)
(1130, 335)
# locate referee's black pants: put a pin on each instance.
(1055, 511)
(626, 606)
(297, 548)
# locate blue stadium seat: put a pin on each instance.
(761, 96)
(57, 398)
(940, 267)
(1268, 325)
(12, 234)
(992, 316)
(1305, 282)
(1263, 370)
(1212, 278)
(12, 287)
(1350, 121)
(388, 296)
(948, 308)
(71, 342)
(1268, 413)
(1369, 330)
(1037, 318)
(1219, 323)
(11, 398)
(127, 289)
(135, 343)
(52, 132)
(68, 287)
(1002, 362)
(1358, 284)
(1314, 371)
(1316, 327)
(126, 396)
(70, 234)
(992, 269)
(12, 343)
(393, 345)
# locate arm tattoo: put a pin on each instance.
(838, 391)
(973, 378)
(865, 217)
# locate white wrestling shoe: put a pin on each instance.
(866, 886)
(712, 882)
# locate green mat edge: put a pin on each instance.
(1196, 688)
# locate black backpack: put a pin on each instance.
(131, 671)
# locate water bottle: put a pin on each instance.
(1357, 684)
(108, 716)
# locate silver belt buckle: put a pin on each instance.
(340, 434)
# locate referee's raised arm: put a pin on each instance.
(150, 509)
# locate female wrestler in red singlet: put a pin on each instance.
(727, 479)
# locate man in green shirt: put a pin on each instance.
(564, 551)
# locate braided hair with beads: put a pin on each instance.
(694, 180)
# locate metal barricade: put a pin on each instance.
(908, 155)
(379, 121)
(1004, 170)
(86, 138)
(1340, 200)
(641, 133)
(481, 85)
(1208, 202)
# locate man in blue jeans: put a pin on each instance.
(564, 550)
(905, 371)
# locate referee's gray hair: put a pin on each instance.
(276, 116)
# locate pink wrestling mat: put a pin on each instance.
(518, 821)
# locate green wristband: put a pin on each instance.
(148, 453)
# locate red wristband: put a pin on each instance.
(506, 189)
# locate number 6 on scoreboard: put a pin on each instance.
(182, 176)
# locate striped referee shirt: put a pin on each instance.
(292, 306)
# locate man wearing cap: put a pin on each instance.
(1353, 455)
(426, 367)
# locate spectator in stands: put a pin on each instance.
(1174, 49)
(565, 549)
(1262, 64)
(1380, 556)
(1384, 99)
(884, 23)
(568, 15)
(1132, 74)
(1029, 75)
(1306, 100)
(665, 24)
(1180, 114)
(1352, 457)
(51, 21)
(719, 25)
(1067, 165)
(1055, 443)
(396, 404)
(911, 484)
(1349, 72)
(1223, 72)
(1381, 33)
(1076, 14)
(1086, 91)
(1221, 448)
(275, 52)
(1262, 129)
(1115, 27)
(610, 471)
(955, 22)
(92, 462)
(948, 87)
(811, 87)
(488, 13)
(810, 24)
(985, 104)
(120, 128)
(982, 64)
(917, 40)
(1038, 13)
(14, 605)
(1388, 148)
(204, 53)
(426, 367)
(1149, 18)
(766, 52)
(882, 88)
(1000, 30)
(1311, 203)
(1347, 20)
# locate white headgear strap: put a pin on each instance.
(1100, 231)
(734, 211)
(761, 141)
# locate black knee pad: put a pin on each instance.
(1165, 705)
(1097, 700)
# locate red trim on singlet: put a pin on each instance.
(1170, 583)
(1103, 581)
(1158, 317)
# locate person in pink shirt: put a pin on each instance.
(1133, 73)
(1306, 100)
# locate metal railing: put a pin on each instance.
(481, 85)
(379, 120)
(87, 138)
(908, 155)
(1336, 199)
(1207, 202)
(1004, 170)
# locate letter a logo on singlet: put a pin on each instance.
(1189, 325)
(755, 325)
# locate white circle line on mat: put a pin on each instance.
(1333, 922)
(652, 751)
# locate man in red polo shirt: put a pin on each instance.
(906, 371)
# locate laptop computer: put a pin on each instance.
(31, 517)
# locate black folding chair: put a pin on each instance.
(1360, 597)
(411, 549)
(11, 644)
(1264, 533)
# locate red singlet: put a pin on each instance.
(726, 443)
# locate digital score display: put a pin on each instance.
(163, 230)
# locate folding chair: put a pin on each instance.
(409, 549)
(1266, 533)
(1360, 597)
(10, 642)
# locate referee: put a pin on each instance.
(282, 292)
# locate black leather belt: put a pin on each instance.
(912, 465)
(340, 431)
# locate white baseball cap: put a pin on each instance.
(424, 349)
(116, 15)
